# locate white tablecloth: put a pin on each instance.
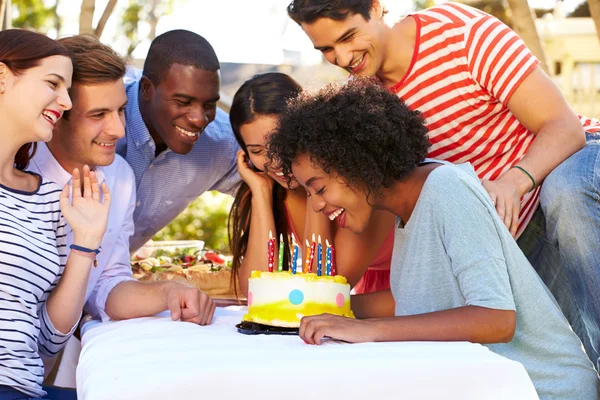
(156, 358)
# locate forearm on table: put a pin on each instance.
(133, 299)
(65, 303)
(373, 305)
(469, 323)
(262, 222)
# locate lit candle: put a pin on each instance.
(296, 250)
(312, 254)
(280, 264)
(319, 258)
(332, 260)
(271, 251)
(327, 258)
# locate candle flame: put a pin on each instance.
(327, 242)
(319, 240)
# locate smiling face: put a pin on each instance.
(255, 134)
(355, 44)
(93, 127)
(332, 196)
(36, 99)
(180, 106)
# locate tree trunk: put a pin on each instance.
(57, 21)
(153, 19)
(108, 10)
(595, 12)
(524, 25)
(2, 8)
(86, 17)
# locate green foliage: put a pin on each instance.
(33, 14)
(204, 219)
(130, 21)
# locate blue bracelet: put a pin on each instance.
(85, 249)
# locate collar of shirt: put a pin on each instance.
(139, 132)
(49, 167)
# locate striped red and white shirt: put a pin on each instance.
(465, 67)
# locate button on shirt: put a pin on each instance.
(168, 183)
(113, 260)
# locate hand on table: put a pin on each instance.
(86, 214)
(506, 197)
(189, 304)
(314, 328)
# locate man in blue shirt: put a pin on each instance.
(178, 143)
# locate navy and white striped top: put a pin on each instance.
(33, 254)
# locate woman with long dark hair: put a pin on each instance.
(41, 289)
(268, 201)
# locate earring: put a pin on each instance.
(2, 83)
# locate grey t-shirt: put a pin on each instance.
(455, 251)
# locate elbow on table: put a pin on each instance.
(506, 327)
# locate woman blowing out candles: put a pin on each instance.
(41, 289)
(457, 274)
(267, 202)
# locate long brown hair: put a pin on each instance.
(21, 50)
(265, 94)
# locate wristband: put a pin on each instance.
(528, 174)
(85, 252)
(85, 249)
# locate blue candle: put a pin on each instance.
(319, 257)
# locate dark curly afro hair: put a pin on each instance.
(360, 130)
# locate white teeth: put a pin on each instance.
(105, 144)
(335, 214)
(187, 133)
(51, 116)
(357, 63)
(279, 173)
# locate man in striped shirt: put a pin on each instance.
(486, 101)
(88, 135)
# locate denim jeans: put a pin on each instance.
(562, 242)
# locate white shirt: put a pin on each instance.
(113, 260)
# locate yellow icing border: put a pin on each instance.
(311, 277)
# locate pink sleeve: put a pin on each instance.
(498, 58)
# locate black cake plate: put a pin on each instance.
(252, 328)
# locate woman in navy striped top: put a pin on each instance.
(41, 289)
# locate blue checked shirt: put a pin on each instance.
(168, 183)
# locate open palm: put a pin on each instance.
(86, 214)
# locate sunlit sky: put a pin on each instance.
(244, 31)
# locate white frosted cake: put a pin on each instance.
(283, 298)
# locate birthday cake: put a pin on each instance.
(282, 298)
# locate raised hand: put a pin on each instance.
(257, 181)
(86, 214)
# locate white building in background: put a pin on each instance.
(573, 54)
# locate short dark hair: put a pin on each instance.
(308, 11)
(178, 47)
(21, 50)
(93, 61)
(361, 130)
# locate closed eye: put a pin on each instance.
(320, 191)
(53, 84)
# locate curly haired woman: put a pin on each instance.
(457, 273)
